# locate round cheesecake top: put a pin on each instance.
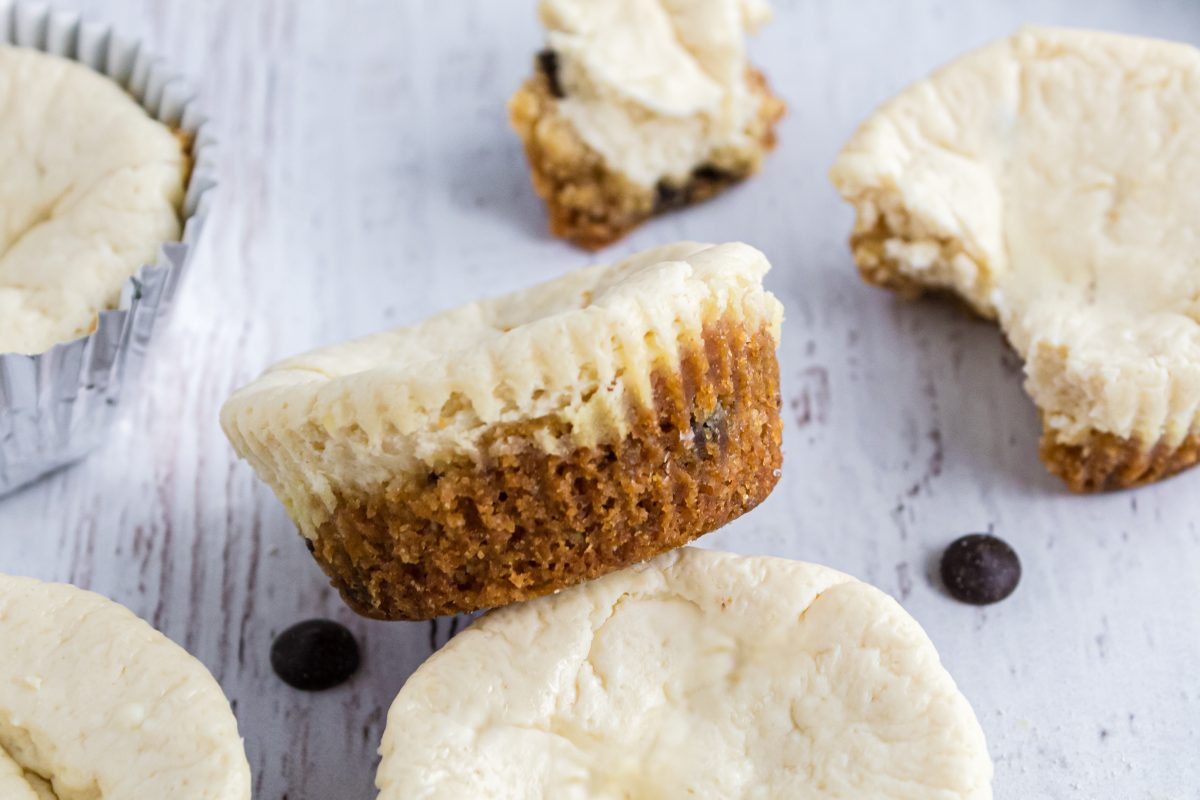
(97, 704)
(582, 349)
(698, 674)
(655, 86)
(1050, 179)
(92, 186)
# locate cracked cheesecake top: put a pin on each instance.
(1050, 179)
(697, 674)
(92, 186)
(94, 703)
(655, 86)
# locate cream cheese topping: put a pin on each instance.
(656, 86)
(92, 186)
(580, 349)
(1050, 179)
(17, 784)
(100, 706)
(697, 674)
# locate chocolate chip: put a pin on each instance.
(548, 63)
(315, 655)
(668, 195)
(980, 569)
(711, 434)
(711, 173)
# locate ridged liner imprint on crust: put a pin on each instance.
(526, 523)
(1098, 461)
(592, 204)
(571, 429)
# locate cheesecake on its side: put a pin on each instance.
(511, 447)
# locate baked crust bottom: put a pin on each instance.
(1102, 461)
(528, 522)
(592, 204)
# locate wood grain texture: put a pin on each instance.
(368, 178)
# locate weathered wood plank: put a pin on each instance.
(369, 178)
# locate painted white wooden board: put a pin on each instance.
(368, 178)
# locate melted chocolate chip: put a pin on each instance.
(668, 195)
(548, 63)
(980, 569)
(710, 435)
(711, 173)
(315, 655)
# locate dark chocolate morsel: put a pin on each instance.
(711, 173)
(548, 63)
(315, 655)
(710, 435)
(980, 569)
(668, 195)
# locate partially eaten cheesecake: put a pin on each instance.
(641, 106)
(1050, 180)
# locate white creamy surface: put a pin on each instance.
(1052, 178)
(370, 179)
(655, 86)
(103, 707)
(698, 674)
(17, 784)
(92, 186)
(581, 348)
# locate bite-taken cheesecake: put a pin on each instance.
(96, 704)
(637, 107)
(698, 674)
(511, 447)
(92, 187)
(1049, 180)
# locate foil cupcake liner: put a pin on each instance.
(57, 406)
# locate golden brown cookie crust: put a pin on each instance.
(593, 205)
(1102, 461)
(528, 522)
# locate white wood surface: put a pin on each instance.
(369, 178)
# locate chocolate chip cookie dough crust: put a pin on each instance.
(591, 203)
(477, 536)
(1104, 462)
(1101, 461)
(972, 182)
(868, 244)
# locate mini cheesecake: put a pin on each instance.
(637, 107)
(1049, 180)
(698, 674)
(92, 188)
(509, 448)
(94, 703)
